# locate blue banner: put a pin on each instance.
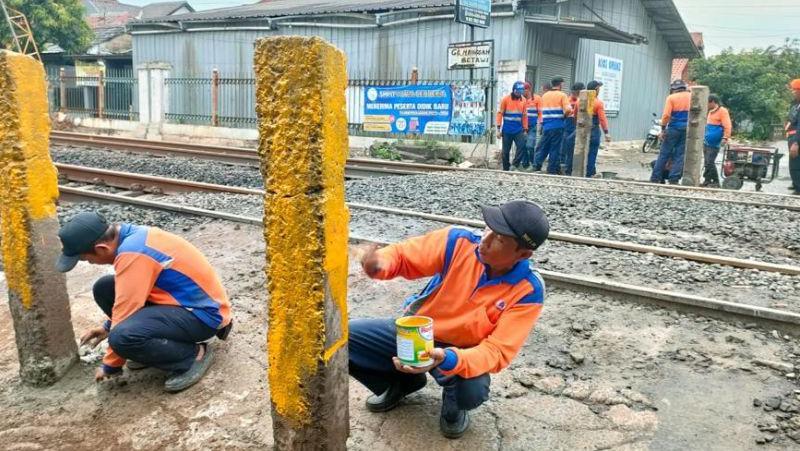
(469, 110)
(477, 13)
(418, 109)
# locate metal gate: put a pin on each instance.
(552, 66)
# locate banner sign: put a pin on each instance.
(469, 110)
(421, 109)
(470, 55)
(477, 13)
(608, 71)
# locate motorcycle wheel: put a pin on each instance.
(648, 143)
(733, 182)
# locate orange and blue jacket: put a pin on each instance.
(676, 110)
(533, 109)
(718, 126)
(555, 106)
(156, 267)
(485, 321)
(511, 115)
(599, 118)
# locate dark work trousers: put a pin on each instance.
(160, 336)
(518, 140)
(710, 174)
(372, 344)
(794, 172)
(524, 156)
(568, 146)
(594, 148)
(550, 148)
(530, 147)
(673, 148)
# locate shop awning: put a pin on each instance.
(599, 31)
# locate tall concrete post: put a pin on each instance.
(153, 95)
(583, 132)
(695, 134)
(303, 152)
(37, 292)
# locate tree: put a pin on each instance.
(52, 22)
(752, 83)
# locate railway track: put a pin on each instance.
(366, 167)
(788, 322)
(141, 184)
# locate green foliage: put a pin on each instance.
(384, 150)
(52, 21)
(752, 83)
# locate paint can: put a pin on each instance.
(415, 340)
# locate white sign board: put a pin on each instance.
(608, 71)
(470, 55)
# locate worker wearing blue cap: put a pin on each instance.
(512, 122)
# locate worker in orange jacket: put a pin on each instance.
(718, 132)
(793, 136)
(555, 107)
(533, 109)
(571, 128)
(673, 137)
(163, 303)
(599, 122)
(512, 124)
(484, 298)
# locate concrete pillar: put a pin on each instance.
(583, 132)
(153, 95)
(37, 292)
(695, 135)
(303, 152)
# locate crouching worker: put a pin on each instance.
(484, 299)
(163, 302)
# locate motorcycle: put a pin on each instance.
(653, 140)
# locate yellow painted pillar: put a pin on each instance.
(300, 90)
(37, 292)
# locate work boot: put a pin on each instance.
(182, 381)
(454, 427)
(391, 398)
(135, 366)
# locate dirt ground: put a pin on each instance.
(596, 373)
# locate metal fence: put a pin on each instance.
(230, 102)
(113, 95)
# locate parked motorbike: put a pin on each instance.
(653, 140)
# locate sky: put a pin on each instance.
(740, 24)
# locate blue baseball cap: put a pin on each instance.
(78, 236)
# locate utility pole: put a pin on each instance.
(20, 32)
(693, 160)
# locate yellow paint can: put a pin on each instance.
(414, 340)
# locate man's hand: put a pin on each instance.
(608, 138)
(370, 261)
(94, 336)
(794, 150)
(499, 134)
(662, 135)
(100, 375)
(437, 355)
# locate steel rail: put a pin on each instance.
(367, 167)
(761, 315)
(167, 185)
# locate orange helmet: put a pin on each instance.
(795, 84)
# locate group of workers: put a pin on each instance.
(525, 118)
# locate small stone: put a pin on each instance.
(756, 402)
(779, 366)
(776, 334)
(577, 357)
(750, 326)
(790, 375)
(773, 402)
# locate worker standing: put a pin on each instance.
(673, 138)
(570, 127)
(533, 111)
(718, 132)
(793, 133)
(512, 123)
(599, 122)
(555, 107)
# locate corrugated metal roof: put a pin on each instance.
(670, 23)
(278, 8)
(162, 9)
